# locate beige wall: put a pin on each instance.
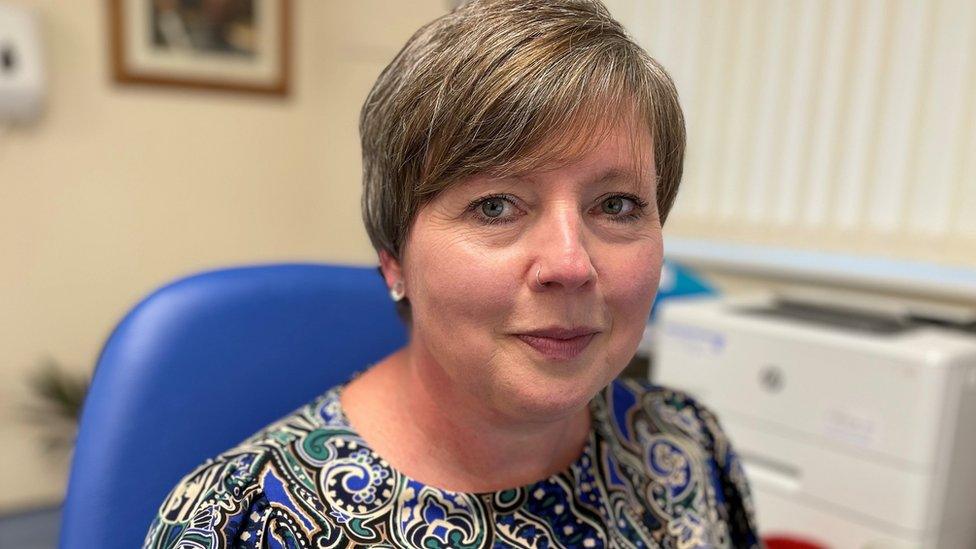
(119, 189)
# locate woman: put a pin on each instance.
(519, 159)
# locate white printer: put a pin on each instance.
(856, 429)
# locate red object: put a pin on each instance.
(791, 542)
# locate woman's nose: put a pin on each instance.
(562, 257)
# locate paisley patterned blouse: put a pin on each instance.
(657, 471)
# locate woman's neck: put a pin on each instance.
(430, 430)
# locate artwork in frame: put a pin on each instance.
(234, 45)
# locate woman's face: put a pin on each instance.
(531, 293)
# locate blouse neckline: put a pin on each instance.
(580, 467)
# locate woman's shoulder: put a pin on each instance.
(227, 496)
(297, 432)
(681, 445)
(637, 408)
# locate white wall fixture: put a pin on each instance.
(22, 81)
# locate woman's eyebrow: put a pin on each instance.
(619, 175)
(614, 174)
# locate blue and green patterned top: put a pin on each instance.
(657, 471)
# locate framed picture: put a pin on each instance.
(235, 45)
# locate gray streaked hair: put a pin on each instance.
(485, 87)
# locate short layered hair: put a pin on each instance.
(503, 86)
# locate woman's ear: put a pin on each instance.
(390, 267)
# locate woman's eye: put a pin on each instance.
(614, 205)
(493, 207)
(622, 208)
(618, 205)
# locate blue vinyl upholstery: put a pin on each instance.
(200, 365)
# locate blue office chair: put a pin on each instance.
(201, 364)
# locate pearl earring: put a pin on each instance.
(397, 292)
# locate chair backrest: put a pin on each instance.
(203, 363)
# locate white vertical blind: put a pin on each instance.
(899, 112)
(824, 123)
(707, 112)
(804, 85)
(965, 219)
(942, 126)
(826, 127)
(858, 126)
(774, 71)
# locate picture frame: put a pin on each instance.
(224, 45)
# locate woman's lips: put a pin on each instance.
(556, 348)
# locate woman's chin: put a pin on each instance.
(538, 399)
